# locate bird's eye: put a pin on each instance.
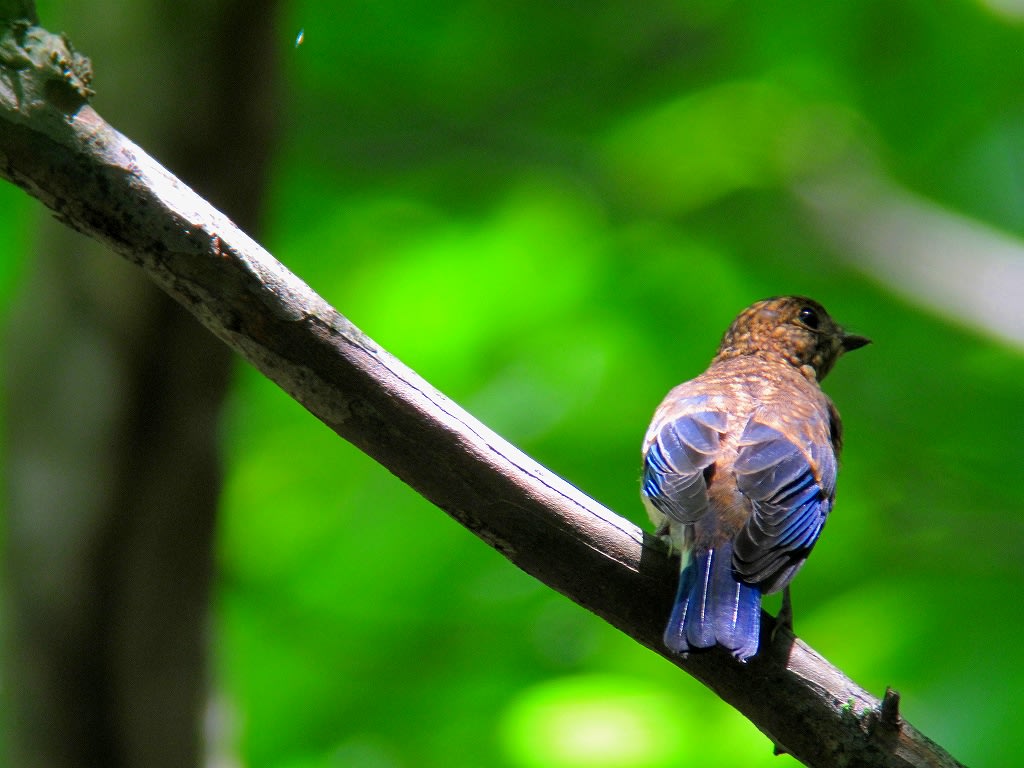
(809, 318)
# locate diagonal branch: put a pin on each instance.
(56, 147)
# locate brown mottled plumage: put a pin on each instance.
(740, 466)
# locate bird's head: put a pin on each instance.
(794, 329)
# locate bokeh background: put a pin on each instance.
(552, 212)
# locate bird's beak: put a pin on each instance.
(852, 342)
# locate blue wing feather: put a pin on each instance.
(675, 462)
(791, 496)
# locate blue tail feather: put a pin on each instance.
(713, 608)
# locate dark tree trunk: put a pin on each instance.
(113, 401)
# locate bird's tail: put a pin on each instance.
(713, 608)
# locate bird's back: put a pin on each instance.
(745, 389)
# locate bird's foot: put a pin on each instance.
(784, 619)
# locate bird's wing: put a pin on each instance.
(681, 447)
(789, 476)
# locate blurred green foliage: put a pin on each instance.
(552, 212)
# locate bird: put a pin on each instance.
(739, 470)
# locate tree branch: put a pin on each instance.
(56, 147)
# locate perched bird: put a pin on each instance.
(740, 469)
